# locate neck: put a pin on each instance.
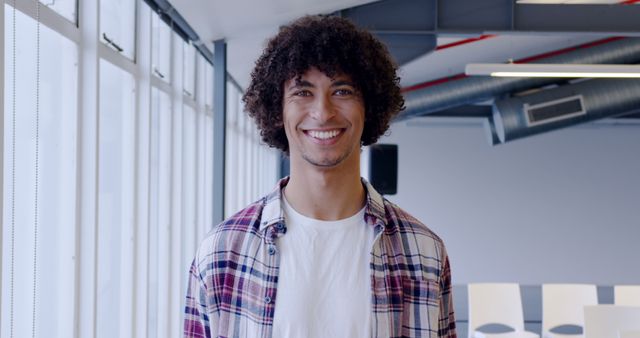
(326, 194)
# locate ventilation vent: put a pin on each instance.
(555, 110)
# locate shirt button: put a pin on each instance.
(267, 299)
(272, 250)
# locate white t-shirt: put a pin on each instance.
(324, 283)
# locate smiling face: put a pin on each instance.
(323, 120)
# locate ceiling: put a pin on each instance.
(246, 24)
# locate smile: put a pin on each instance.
(324, 134)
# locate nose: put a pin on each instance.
(322, 109)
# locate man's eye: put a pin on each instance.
(302, 93)
(344, 92)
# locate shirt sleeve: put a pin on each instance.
(196, 320)
(446, 321)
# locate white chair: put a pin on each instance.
(629, 334)
(496, 303)
(603, 321)
(563, 304)
(626, 295)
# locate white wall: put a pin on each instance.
(558, 207)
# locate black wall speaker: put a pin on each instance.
(383, 168)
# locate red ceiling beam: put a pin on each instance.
(523, 60)
(465, 41)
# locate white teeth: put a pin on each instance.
(323, 135)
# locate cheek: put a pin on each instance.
(287, 123)
(362, 122)
(361, 116)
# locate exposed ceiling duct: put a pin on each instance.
(466, 90)
(567, 105)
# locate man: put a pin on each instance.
(323, 255)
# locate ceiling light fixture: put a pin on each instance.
(553, 70)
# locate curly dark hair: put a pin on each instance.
(333, 45)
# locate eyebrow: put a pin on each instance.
(343, 83)
(301, 84)
(307, 84)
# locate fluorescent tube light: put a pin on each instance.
(553, 70)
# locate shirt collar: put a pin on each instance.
(273, 213)
(374, 213)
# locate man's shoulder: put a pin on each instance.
(232, 234)
(402, 223)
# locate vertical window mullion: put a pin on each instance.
(242, 163)
(140, 272)
(231, 154)
(2, 162)
(86, 201)
(208, 170)
(173, 293)
(256, 163)
(201, 183)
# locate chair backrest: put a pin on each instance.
(629, 334)
(601, 321)
(563, 304)
(495, 303)
(626, 295)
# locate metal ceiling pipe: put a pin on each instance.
(479, 88)
(490, 131)
(565, 106)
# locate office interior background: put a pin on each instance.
(114, 113)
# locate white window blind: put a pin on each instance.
(48, 152)
(115, 198)
(132, 144)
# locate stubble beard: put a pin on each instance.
(327, 162)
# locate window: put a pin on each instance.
(189, 181)
(232, 156)
(189, 80)
(56, 173)
(118, 25)
(160, 48)
(208, 169)
(208, 85)
(250, 165)
(66, 8)
(115, 197)
(204, 83)
(134, 150)
(160, 202)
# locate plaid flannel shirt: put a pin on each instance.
(233, 280)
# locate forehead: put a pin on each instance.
(313, 75)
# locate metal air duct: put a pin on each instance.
(478, 88)
(568, 105)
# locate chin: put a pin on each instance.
(324, 162)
